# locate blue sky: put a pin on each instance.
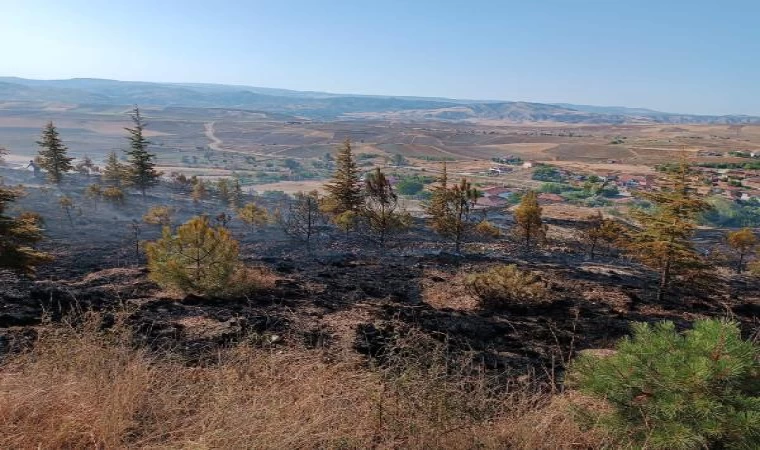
(672, 55)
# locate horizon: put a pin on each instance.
(357, 94)
(682, 57)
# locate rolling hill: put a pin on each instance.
(327, 106)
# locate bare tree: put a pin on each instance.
(303, 217)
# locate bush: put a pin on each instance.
(505, 284)
(113, 195)
(488, 230)
(409, 186)
(695, 390)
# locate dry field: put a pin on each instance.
(80, 388)
(181, 133)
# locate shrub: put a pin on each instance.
(504, 284)
(199, 259)
(409, 186)
(113, 195)
(253, 215)
(698, 389)
(487, 229)
(159, 215)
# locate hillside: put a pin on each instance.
(320, 105)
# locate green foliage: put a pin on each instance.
(699, 389)
(141, 172)
(114, 172)
(728, 213)
(53, 154)
(554, 188)
(253, 215)
(345, 190)
(410, 186)
(198, 259)
(18, 235)
(501, 285)
(754, 165)
(547, 173)
(398, 160)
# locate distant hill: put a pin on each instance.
(327, 106)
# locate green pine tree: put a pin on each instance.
(114, 173)
(696, 390)
(141, 172)
(53, 155)
(345, 189)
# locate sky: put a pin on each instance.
(695, 56)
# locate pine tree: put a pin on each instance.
(380, 206)
(114, 173)
(223, 190)
(666, 390)
(528, 223)
(303, 217)
(253, 215)
(743, 242)
(450, 208)
(199, 258)
(199, 191)
(345, 190)
(53, 155)
(437, 205)
(67, 205)
(18, 236)
(142, 172)
(597, 231)
(663, 240)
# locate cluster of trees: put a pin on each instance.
(662, 238)
(138, 172)
(370, 204)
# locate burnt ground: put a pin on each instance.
(347, 295)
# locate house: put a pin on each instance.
(528, 164)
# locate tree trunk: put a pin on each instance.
(664, 281)
(741, 263)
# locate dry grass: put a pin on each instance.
(81, 388)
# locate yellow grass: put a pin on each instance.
(87, 389)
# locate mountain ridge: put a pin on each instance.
(330, 106)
